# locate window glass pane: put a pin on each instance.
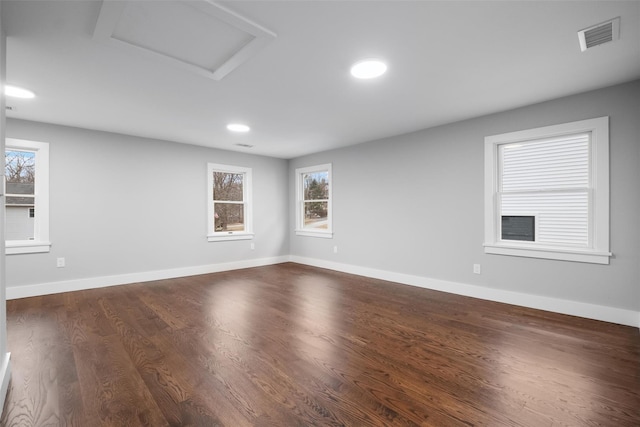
(228, 186)
(316, 185)
(228, 216)
(313, 196)
(20, 170)
(25, 200)
(315, 215)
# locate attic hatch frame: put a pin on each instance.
(111, 13)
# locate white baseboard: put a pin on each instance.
(5, 377)
(573, 308)
(24, 291)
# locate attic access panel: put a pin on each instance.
(201, 36)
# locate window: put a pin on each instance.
(27, 192)
(547, 192)
(229, 203)
(313, 207)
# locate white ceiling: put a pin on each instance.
(448, 61)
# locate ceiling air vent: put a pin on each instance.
(599, 34)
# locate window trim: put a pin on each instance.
(598, 252)
(300, 230)
(247, 196)
(41, 243)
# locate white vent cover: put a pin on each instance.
(602, 33)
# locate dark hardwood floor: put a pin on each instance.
(290, 345)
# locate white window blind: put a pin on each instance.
(548, 179)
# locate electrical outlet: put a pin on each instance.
(335, 249)
(253, 246)
(60, 263)
(476, 268)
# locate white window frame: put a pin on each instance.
(41, 242)
(300, 229)
(247, 196)
(598, 250)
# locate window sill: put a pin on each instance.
(16, 247)
(593, 257)
(221, 237)
(320, 234)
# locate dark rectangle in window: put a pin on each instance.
(519, 227)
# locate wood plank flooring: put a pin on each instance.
(291, 345)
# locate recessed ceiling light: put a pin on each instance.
(18, 92)
(368, 69)
(238, 127)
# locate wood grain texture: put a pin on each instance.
(291, 345)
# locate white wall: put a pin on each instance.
(122, 207)
(5, 367)
(433, 181)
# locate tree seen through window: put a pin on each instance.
(20, 173)
(316, 199)
(228, 197)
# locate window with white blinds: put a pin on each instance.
(549, 180)
(547, 192)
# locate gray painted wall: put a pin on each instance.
(433, 180)
(122, 204)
